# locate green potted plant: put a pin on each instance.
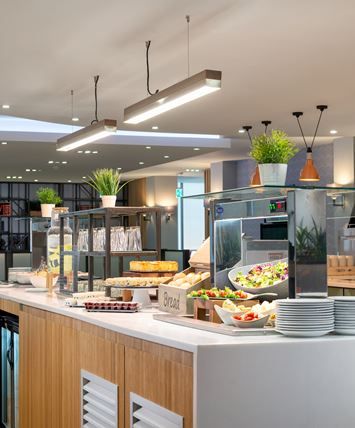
(106, 182)
(272, 153)
(48, 198)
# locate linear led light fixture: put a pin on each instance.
(87, 135)
(187, 90)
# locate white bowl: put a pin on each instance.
(259, 323)
(226, 315)
(24, 277)
(281, 288)
(41, 281)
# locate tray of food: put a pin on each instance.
(126, 282)
(112, 306)
(271, 277)
(226, 293)
(153, 266)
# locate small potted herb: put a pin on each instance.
(106, 182)
(48, 198)
(272, 153)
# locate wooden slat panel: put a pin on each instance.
(10, 307)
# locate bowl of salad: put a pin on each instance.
(270, 277)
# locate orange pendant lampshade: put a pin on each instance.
(309, 171)
(255, 178)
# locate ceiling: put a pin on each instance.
(276, 56)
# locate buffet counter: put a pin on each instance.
(209, 379)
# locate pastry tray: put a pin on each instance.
(114, 311)
(133, 287)
(189, 321)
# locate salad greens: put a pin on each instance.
(260, 276)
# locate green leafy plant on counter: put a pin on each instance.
(106, 181)
(274, 148)
(311, 243)
(47, 195)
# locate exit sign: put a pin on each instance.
(178, 192)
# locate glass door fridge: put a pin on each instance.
(9, 344)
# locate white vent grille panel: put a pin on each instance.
(146, 414)
(99, 402)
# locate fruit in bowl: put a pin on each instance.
(250, 319)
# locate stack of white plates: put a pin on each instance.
(308, 317)
(344, 309)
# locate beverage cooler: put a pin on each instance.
(9, 342)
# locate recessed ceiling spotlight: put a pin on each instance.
(20, 176)
(166, 156)
(87, 151)
(34, 170)
(28, 170)
(56, 162)
(119, 168)
(8, 176)
(50, 162)
(14, 176)
(95, 152)
(187, 170)
(4, 143)
(64, 162)
(69, 181)
(241, 131)
(5, 106)
(84, 176)
(333, 131)
(141, 163)
(155, 127)
(196, 149)
(79, 151)
(35, 180)
(75, 119)
(197, 170)
(148, 147)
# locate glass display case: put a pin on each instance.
(303, 224)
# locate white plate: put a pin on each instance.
(316, 333)
(37, 290)
(350, 332)
(306, 301)
(343, 298)
(302, 328)
(306, 324)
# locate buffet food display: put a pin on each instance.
(153, 266)
(131, 281)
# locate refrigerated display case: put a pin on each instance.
(267, 223)
(9, 344)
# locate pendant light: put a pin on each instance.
(309, 172)
(183, 92)
(96, 131)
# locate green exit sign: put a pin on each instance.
(179, 193)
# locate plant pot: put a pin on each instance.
(273, 173)
(47, 209)
(108, 201)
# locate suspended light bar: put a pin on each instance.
(187, 90)
(87, 135)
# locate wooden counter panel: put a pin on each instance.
(52, 353)
(53, 349)
(157, 378)
(10, 307)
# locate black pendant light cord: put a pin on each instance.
(147, 45)
(321, 108)
(266, 123)
(96, 79)
(247, 128)
(299, 124)
(298, 114)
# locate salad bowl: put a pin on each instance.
(242, 278)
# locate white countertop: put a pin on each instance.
(142, 325)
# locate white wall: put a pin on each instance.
(344, 161)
